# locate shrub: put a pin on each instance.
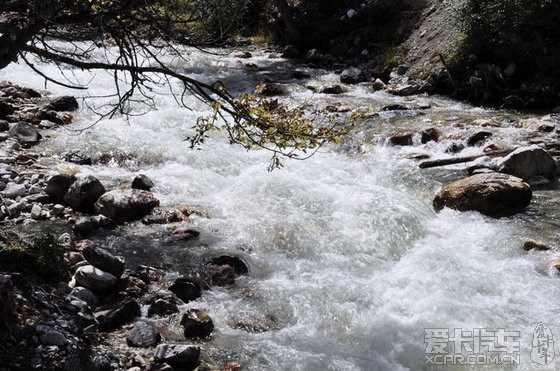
(512, 31)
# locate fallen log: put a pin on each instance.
(458, 160)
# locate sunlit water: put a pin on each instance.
(345, 250)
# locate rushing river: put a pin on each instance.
(347, 257)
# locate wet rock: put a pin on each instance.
(160, 216)
(314, 56)
(300, 74)
(85, 294)
(378, 85)
(4, 125)
(484, 162)
(352, 75)
(233, 366)
(430, 135)
(254, 322)
(395, 107)
(83, 193)
(95, 279)
(239, 266)
(84, 227)
(178, 355)
(455, 147)
(162, 305)
(527, 162)
(291, 52)
(25, 133)
(142, 182)
(492, 194)
(77, 158)
(64, 103)
(104, 260)
(221, 275)
(406, 90)
(401, 139)
(5, 109)
(57, 185)
(14, 190)
(196, 324)
(514, 101)
(335, 89)
(269, 90)
(142, 335)
(186, 289)
(535, 245)
(123, 205)
(478, 137)
(244, 55)
(125, 313)
(133, 285)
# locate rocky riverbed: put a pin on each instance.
(107, 312)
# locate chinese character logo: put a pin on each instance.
(543, 345)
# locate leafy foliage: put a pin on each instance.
(293, 132)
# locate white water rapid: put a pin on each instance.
(347, 257)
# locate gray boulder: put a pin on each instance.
(95, 279)
(123, 205)
(142, 335)
(25, 133)
(142, 182)
(83, 193)
(352, 75)
(492, 194)
(527, 162)
(177, 355)
(104, 260)
(115, 318)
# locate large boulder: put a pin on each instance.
(527, 162)
(83, 193)
(123, 205)
(492, 194)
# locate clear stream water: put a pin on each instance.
(345, 250)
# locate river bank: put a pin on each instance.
(341, 248)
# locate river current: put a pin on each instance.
(347, 257)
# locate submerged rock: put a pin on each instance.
(401, 139)
(239, 266)
(492, 194)
(123, 205)
(527, 162)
